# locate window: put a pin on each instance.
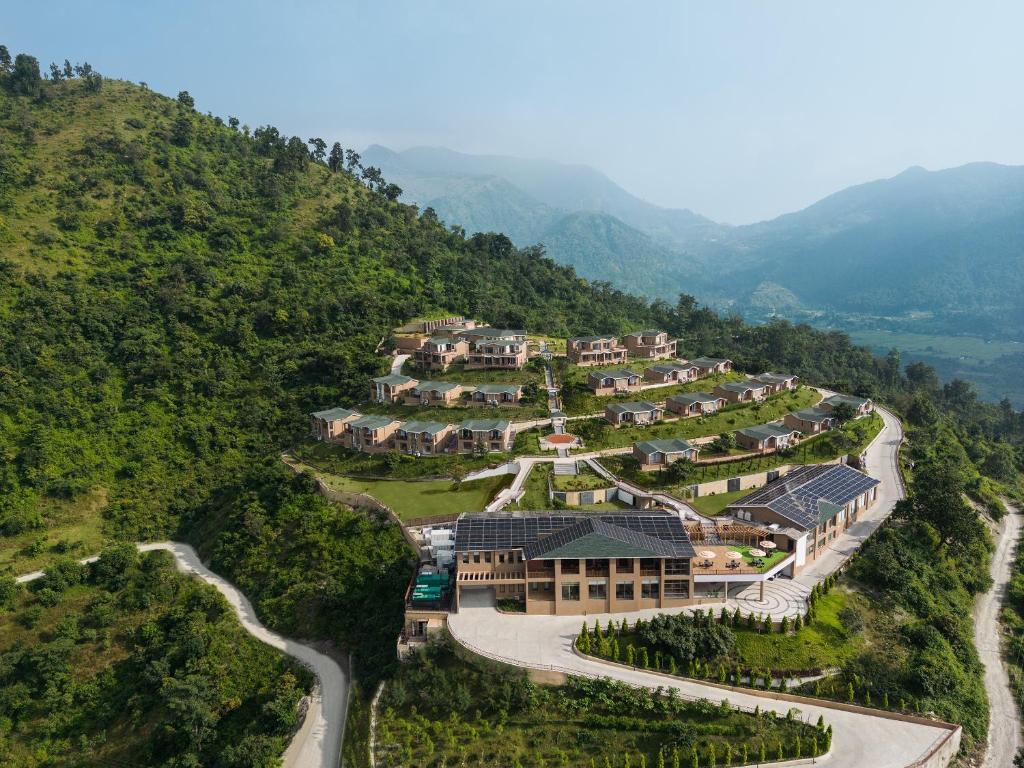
(571, 591)
(487, 557)
(649, 590)
(476, 557)
(501, 557)
(677, 590)
(677, 567)
(624, 565)
(597, 590)
(624, 590)
(570, 566)
(465, 557)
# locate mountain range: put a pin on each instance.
(935, 251)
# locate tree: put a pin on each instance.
(678, 471)
(724, 443)
(352, 160)
(25, 79)
(318, 149)
(185, 99)
(55, 73)
(336, 159)
(843, 412)
(5, 59)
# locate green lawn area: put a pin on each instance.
(715, 503)
(586, 480)
(533, 372)
(335, 460)
(535, 489)
(727, 420)
(556, 345)
(424, 498)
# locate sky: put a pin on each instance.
(737, 110)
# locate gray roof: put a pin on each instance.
(851, 400)
(334, 414)
(498, 389)
(813, 414)
(810, 495)
(764, 431)
(671, 367)
(441, 340)
(617, 373)
(393, 379)
(484, 425)
(688, 398)
(554, 536)
(775, 378)
(648, 332)
(371, 422)
(488, 331)
(709, 362)
(605, 337)
(632, 407)
(436, 386)
(671, 445)
(427, 427)
(740, 386)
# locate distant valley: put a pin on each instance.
(920, 256)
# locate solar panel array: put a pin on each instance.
(796, 496)
(477, 532)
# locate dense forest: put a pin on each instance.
(177, 291)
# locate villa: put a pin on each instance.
(497, 394)
(613, 382)
(390, 388)
(440, 393)
(563, 564)
(329, 425)
(712, 365)
(649, 345)
(637, 414)
(654, 454)
(369, 433)
(746, 391)
(862, 406)
(439, 353)
(595, 350)
(777, 382)
(765, 438)
(809, 507)
(671, 373)
(507, 351)
(422, 437)
(484, 435)
(695, 403)
(810, 421)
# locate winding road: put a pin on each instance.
(317, 743)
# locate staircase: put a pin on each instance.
(565, 468)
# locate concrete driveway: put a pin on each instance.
(545, 642)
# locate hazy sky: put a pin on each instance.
(739, 111)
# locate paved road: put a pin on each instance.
(1004, 735)
(859, 740)
(397, 363)
(317, 744)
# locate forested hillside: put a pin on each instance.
(177, 291)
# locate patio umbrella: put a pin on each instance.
(758, 553)
(733, 555)
(767, 544)
(706, 554)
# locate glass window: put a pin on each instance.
(597, 590)
(649, 591)
(476, 557)
(487, 557)
(677, 590)
(624, 590)
(571, 591)
(624, 565)
(677, 567)
(570, 566)
(501, 557)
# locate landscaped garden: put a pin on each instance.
(444, 710)
(532, 372)
(336, 460)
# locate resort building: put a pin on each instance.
(440, 393)
(636, 414)
(649, 345)
(671, 373)
(614, 382)
(497, 394)
(501, 352)
(391, 388)
(329, 425)
(562, 564)
(766, 438)
(595, 350)
(430, 326)
(712, 365)
(777, 382)
(484, 436)
(695, 403)
(654, 454)
(422, 437)
(809, 507)
(862, 406)
(746, 391)
(369, 433)
(810, 421)
(439, 353)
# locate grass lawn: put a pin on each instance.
(715, 503)
(535, 489)
(586, 480)
(335, 460)
(727, 420)
(72, 530)
(577, 400)
(424, 498)
(556, 346)
(533, 372)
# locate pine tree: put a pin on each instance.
(631, 655)
(849, 692)
(672, 665)
(784, 625)
(885, 700)
(817, 688)
(798, 747)
(766, 625)
(645, 660)
(728, 754)
(751, 621)
(712, 756)
(867, 698)
(762, 754)
(780, 753)
(626, 762)
(611, 627)
(657, 659)
(721, 673)
(615, 649)
(798, 623)
(643, 760)
(784, 683)
(745, 755)
(694, 760)
(661, 759)
(821, 723)
(736, 619)
(814, 746)
(675, 758)
(625, 625)
(723, 617)
(597, 630)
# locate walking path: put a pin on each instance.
(1004, 734)
(317, 743)
(397, 363)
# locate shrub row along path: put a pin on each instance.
(546, 642)
(317, 743)
(1004, 735)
